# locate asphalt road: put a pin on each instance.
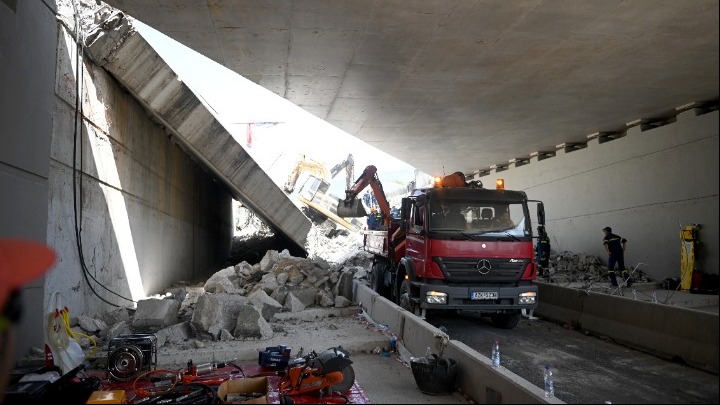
(588, 368)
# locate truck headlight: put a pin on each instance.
(435, 297)
(527, 298)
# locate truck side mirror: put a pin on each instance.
(405, 205)
(541, 213)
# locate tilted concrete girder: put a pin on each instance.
(122, 51)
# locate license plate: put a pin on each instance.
(483, 295)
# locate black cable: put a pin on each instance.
(193, 393)
(78, 216)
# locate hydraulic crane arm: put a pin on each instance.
(349, 165)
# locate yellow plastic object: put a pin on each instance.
(107, 397)
(688, 241)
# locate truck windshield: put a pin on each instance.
(476, 217)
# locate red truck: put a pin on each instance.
(456, 246)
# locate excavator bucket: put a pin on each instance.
(353, 209)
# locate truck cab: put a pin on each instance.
(482, 260)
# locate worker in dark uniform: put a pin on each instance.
(615, 248)
(542, 253)
(374, 219)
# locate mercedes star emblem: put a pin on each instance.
(483, 266)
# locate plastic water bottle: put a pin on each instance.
(496, 354)
(549, 384)
(393, 343)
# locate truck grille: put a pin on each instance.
(459, 270)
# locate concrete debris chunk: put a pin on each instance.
(325, 299)
(153, 314)
(174, 334)
(293, 304)
(91, 325)
(251, 324)
(120, 328)
(214, 312)
(224, 281)
(268, 307)
(116, 315)
(268, 261)
(342, 302)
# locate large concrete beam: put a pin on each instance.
(122, 51)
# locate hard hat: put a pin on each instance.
(21, 261)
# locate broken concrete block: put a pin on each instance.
(120, 328)
(279, 295)
(293, 304)
(268, 261)
(218, 310)
(267, 306)
(223, 281)
(344, 285)
(116, 315)
(325, 299)
(306, 295)
(282, 278)
(152, 314)
(177, 333)
(269, 282)
(91, 325)
(295, 276)
(342, 302)
(251, 324)
(225, 335)
(322, 263)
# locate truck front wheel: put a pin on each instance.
(404, 299)
(506, 321)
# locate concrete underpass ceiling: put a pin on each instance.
(448, 85)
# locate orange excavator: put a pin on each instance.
(351, 206)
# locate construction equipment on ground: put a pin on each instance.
(313, 191)
(450, 248)
(319, 172)
(349, 165)
(689, 242)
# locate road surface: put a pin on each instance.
(588, 368)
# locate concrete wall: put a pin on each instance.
(148, 211)
(27, 44)
(662, 330)
(644, 185)
(149, 215)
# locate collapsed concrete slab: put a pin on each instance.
(119, 48)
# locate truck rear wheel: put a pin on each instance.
(506, 321)
(377, 279)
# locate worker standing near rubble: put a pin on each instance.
(615, 248)
(542, 253)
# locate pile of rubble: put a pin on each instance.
(242, 301)
(583, 267)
